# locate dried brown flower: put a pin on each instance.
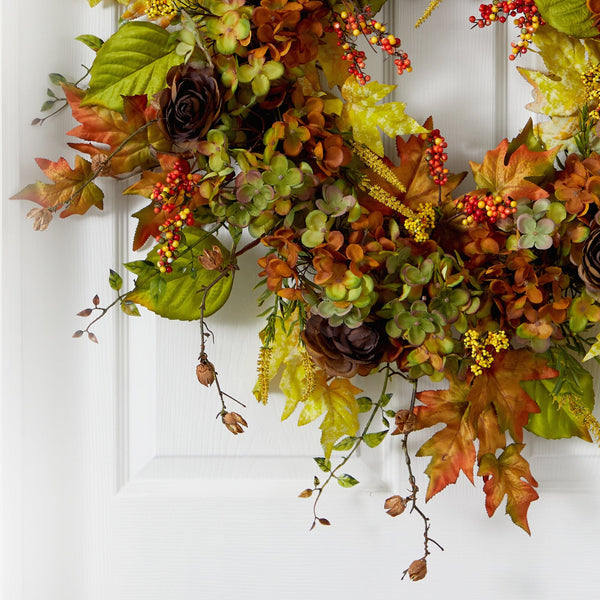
(395, 505)
(190, 105)
(405, 422)
(417, 569)
(343, 351)
(41, 218)
(205, 371)
(234, 422)
(211, 260)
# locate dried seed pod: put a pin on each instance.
(41, 218)
(100, 162)
(405, 422)
(395, 505)
(211, 260)
(417, 569)
(234, 422)
(205, 371)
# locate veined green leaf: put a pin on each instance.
(178, 295)
(134, 61)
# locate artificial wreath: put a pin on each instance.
(248, 123)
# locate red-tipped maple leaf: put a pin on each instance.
(413, 172)
(452, 449)
(512, 176)
(72, 188)
(104, 126)
(483, 410)
(508, 475)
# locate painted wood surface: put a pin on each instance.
(117, 483)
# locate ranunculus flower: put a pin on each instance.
(343, 351)
(589, 270)
(190, 105)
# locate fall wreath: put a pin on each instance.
(248, 123)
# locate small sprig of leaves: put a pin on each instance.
(351, 443)
(586, 124)
(52, 99)
(127, 306)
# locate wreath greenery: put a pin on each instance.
(250, 123)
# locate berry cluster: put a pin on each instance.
(488, 208)
(436, 156)
(170, 237)
(528, 21)
(176, 191)
(350, 26)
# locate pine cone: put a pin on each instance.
(342, 351)
(589, 270)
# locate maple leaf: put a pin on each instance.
(508, 475)
(500, 387)
(72, 189)
(559, 93)
(132, 131)
(148, 220)
(364, 116)
(508, 175)
(452, 449)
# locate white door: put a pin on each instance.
(118, 483)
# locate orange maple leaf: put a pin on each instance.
(413, 172)
(508, 475)
(499, 386)
(112, 129)
(452, 449)
(514, 175)
(482, 410)
(72, 189)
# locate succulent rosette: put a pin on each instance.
(259, 127)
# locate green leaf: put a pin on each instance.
(178, 295)
(345, 444)
(91, 41)
(568, 16)
(346, 480)
(374, 439)
(324, 464)
(47, 105)
(364, 404)
(140, 267)
(134, 61)
(560, 400)
(57, 78)
(115, 281)
(385, 399)
(129, 308)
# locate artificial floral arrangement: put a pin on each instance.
(252, 123)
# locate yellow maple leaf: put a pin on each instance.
(559, 92)
(336, 398)
(365, 117)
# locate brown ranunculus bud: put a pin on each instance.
(211, 260)
(205, 371)
(234, 422)
(395, 505)
(405, 422)
(417, 569)
(190, 105)
(342, 351)
(589, 269)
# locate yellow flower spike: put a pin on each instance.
(309, 375)
(376, 164)
(432, 6)
(264, 362)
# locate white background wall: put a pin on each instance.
(117, 483)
